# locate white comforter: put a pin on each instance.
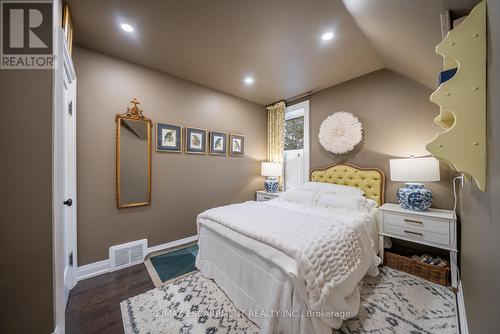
(332, 247)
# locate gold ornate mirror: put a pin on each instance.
(133, 158)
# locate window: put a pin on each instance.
(294, 133)
(296, 159)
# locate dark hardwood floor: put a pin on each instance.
(94, 304)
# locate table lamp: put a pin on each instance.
(413, 196)
(272, 170)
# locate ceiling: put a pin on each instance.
(218, 43)
(404, 33)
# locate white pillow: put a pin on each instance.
(370, 204)
(331, 188)
(299, 196)
(341, 201)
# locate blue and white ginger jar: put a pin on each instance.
(271, 185)
(413, 196)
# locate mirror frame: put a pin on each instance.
(135, 114)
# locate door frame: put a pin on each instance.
(64, 80)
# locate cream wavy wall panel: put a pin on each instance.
(462, 99)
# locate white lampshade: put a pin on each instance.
(272, 169)
(415, 170)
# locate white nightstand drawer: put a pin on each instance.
(418, 223)
(262, 196)
(417, 234)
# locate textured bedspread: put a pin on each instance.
(330, 246)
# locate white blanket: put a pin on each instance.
(331, 247)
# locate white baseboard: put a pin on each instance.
(93, 269)
(462, 318)
(102, 267)
(172, 244)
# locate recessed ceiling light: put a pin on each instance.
(127, 27)
(249, 80)
(327, 36)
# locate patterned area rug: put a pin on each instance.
(396, 302)
(192, 304)
(392, 302)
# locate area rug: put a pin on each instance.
(397, 302)
(191, 304)
(168, 265)
(392, 302)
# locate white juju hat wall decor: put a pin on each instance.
(340, 132)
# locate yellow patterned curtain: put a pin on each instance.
(276, 133)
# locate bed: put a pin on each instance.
(289, 267)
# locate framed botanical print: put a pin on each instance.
(236, 145)
(218, 143)
(168, 138)
(196, 141)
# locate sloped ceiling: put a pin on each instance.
(217, 43)
(404, 33)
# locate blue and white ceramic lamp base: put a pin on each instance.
(271, 185)
(413, 196)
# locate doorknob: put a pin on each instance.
(68, 202)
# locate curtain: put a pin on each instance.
(276, 134)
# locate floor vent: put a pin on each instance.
(126, 255)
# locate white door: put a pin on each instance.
(64, 179)
(296, 155)
(69, 188)
(294, 165)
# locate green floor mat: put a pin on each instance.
(176, 263)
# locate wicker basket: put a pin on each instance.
(439, 275)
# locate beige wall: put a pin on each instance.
(480, 211)
(397, 119)
(26, 201)
(183, 184)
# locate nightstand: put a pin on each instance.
(435, 227)
(262, 195)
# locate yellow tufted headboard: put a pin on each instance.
(370, 180)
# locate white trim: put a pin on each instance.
(57, 191)
(93, 269)
(102, 267)
(172, 244)
(294, 111)
(307, 141)
(462, 318)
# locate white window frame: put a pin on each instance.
(294, 111)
